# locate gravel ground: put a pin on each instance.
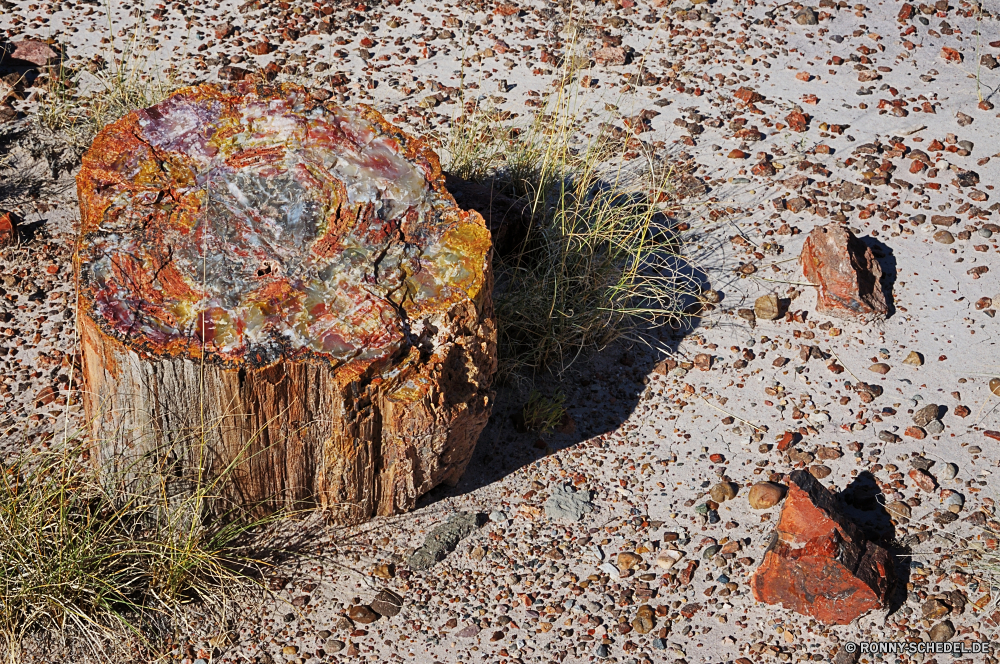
(790, 117)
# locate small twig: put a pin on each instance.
(844, 364)
(784, 281)
(723, 410)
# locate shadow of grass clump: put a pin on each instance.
(584, 254)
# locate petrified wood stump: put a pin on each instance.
(285, 286)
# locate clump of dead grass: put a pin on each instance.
(78, 103)
(100, 562)
(598, 260)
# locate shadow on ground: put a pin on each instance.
(601, 390)
(887, 261)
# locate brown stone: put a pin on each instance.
(926, 415)
(846, 272)
(362, 614)
(767, 307)
(703, 361)
(34, 51)
(819, 563)
(820, 471)
(387, 603)
(765, 495)
(628, 560)
(723, 491)
(645, 619)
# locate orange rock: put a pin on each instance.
(738, 154)
(923, 480)
(950, 54)
(819, 563)
(797, 121)
(848, 276)
(804, 76)
(8, 229)
(748, 96)
(260, 48)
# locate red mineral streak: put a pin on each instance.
(255, 223)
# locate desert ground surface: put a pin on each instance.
(784, 117)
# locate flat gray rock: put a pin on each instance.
(566, 503)
(444, 538)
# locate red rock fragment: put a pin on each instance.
(905, 12)
(846, 272)
(915, 432)
(923, 480)
(34, 51)
(786, 440)
(797, 121)
(260, 48)
(685, 576)
(819, 563)
(610, 56)
(8, 229)
(748, 96)
(950, 54)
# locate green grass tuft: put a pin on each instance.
(598, 259)
(94, 561)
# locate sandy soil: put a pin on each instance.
(529, 588)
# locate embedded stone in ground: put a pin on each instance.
(819, 563)
(295, 275)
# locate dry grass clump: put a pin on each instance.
(79, 103)
(598, 259)
(96, 561)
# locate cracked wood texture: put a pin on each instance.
(284, 287)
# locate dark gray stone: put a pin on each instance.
(443, 539)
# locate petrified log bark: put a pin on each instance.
(284, 288)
